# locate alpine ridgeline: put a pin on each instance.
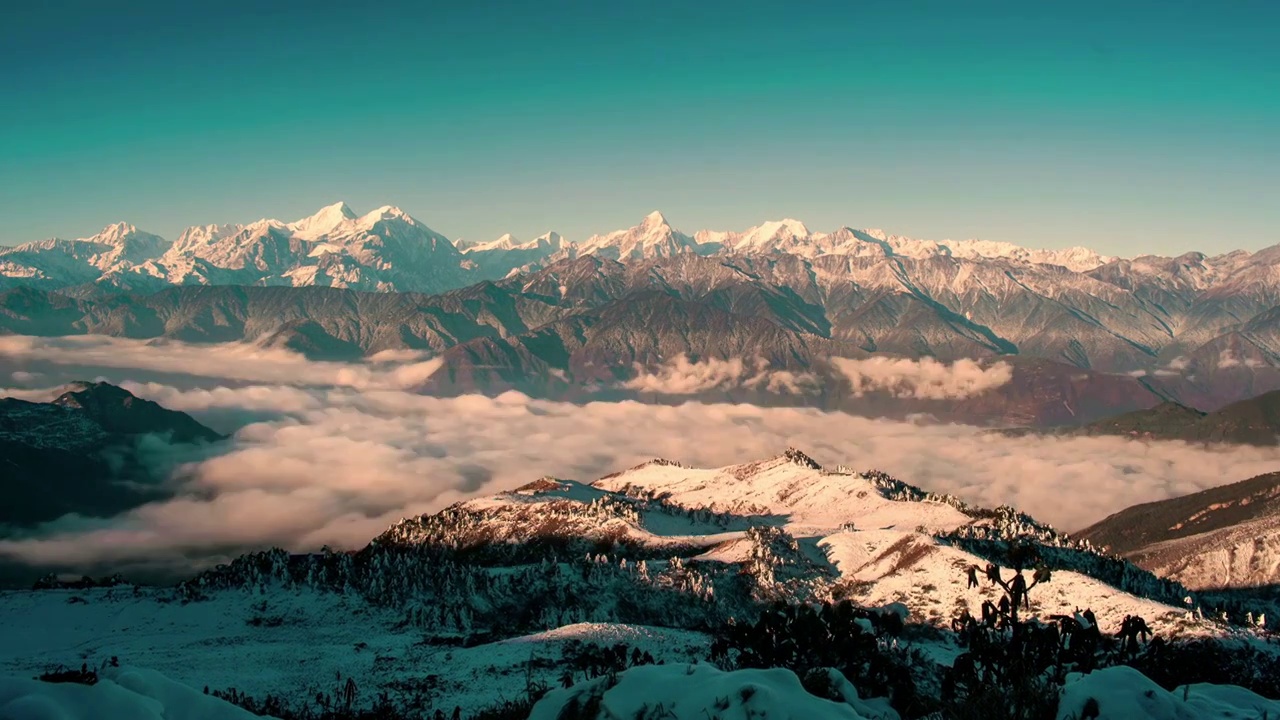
(1087, 335)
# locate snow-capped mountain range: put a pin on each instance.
(1203, 331)
(388, 250)
(382, 250)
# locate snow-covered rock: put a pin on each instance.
(696, 692)
(1122, 693)
(120, 694)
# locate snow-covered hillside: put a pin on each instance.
(692, 692)
(121, 693)
(295, 643)
(587, 586)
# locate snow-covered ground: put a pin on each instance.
(1122, 693)
(793, 528)
(696, 692)
(120, 694)
(321, 640)
(930, 578)
(675, 691)
(808, 501)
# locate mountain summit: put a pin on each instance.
(325, 220)
(81, 453)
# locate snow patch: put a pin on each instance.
(1122, 693)
(119, 694)
(696, 692)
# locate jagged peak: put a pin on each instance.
(386, 212)
(336, 212)
(72, 394)
(323, 220)
(654, 219)
(115, 232)
(799, 458)
(546, 483)
(788, 223)
(119, 228)
(201, 234)
(771, 231)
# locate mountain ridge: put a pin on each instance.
(1251, 421)
(1223, 537)
(80, 453)
(652, 237)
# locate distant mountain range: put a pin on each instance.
(388, 250)
(571, 319)
(80, 453)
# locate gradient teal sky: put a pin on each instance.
(1130, 127)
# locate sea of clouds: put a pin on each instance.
(328, 453)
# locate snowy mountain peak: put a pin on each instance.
(204, 234)
(323, 221)
(386, 212)
(510, 247)
(654, 219)
(114, 233)
(773, 236)
(786, 226)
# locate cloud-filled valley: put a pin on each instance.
(333, 453)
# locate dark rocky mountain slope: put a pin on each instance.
(1224, 537)
(1254, 421)
(86, 453)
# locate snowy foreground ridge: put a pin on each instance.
(1122, 693)
(678, 692)
(660, 591)
(119, 694)
(672, 692)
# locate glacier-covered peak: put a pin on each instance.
(654, 219)
(386, 212)
(325, 220)
(114, 232)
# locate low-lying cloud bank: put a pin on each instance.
(685, 377)
(227, 361)
(337, 463)
(919, 379)
(923, 379)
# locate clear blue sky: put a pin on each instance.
(1127, 126)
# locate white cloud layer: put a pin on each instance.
(227, 361)
(923, 379)
(685, 377)
(337, 464)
